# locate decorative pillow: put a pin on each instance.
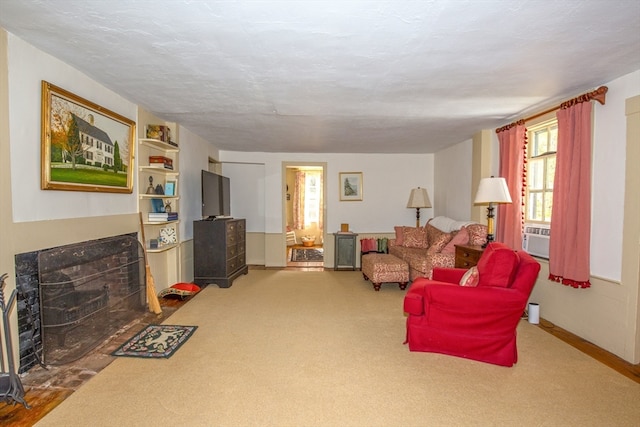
(433, 233)
(477, 234)
(497, 265)
(460, 238)
(399, 235)
(471, 277)
(414, 237)
(439, 243)
(181, 290)
(368, 244)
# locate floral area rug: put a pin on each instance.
(156, 341)
(307, 255)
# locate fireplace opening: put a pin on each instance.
(88, 291)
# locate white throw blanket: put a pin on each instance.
(447, 224)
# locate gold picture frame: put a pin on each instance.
(85, 147)
(351, 186)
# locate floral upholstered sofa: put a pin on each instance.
(433, 245)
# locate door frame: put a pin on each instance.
(302, 164)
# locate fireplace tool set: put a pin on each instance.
(11, 390)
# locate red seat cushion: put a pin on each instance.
(180, 289)
(497, 265)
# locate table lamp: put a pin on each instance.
(418, 199)
(492, 190)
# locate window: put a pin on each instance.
(541, 168)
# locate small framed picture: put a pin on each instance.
(350, 186)
(170, 188)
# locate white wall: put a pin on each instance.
(387, 182)
(30, 203)
(453, 196)
(609, 150)
(194, 157)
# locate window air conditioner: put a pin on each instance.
(536, 240)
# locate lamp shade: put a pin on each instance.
(419, 198)
(493, 190)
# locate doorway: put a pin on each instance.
(304, 214)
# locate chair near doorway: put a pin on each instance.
(291, 238)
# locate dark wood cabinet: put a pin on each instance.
(219, 251)
(467, 256)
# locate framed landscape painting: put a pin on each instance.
(85, 147)
(350, 186)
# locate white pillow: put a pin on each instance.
(470, 278)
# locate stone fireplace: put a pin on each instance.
(74, 297)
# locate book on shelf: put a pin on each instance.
(157, 206)
(166, 161)
(161, 166)
(163, 216)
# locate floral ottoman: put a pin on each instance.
(385, 268)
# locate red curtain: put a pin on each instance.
(510, 221)
(298, 201)
(569, 245)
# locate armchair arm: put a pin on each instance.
(474, 309)
(451, 275)
(414, 299)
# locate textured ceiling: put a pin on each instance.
(337, 76)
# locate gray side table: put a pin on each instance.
(345, 251)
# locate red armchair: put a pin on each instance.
(474, 322)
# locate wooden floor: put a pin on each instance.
(611, 360)
(46, 389)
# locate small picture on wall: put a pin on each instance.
(350, 186)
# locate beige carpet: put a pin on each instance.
(286, 348)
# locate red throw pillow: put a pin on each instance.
(437, 245)
(460, 238)
(399, 235)
(497, 265)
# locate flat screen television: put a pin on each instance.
(216, 195)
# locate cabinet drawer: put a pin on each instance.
(467, 256)
(232, 251)
(232, 239)
(232, 265)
